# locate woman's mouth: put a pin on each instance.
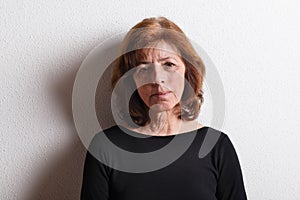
(161, 94)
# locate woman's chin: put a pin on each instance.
(161, 107)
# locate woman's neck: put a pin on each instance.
(166, 123)
(163, 123)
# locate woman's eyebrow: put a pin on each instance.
(143, 62)
(161, 59)
(166, 58)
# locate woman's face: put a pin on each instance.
(160, 77)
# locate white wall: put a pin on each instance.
(254, 44)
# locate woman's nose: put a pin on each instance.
(158, 75)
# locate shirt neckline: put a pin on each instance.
(141, 135)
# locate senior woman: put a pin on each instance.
(158, 82)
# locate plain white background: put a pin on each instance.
(254, 44)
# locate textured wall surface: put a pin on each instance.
(254, 44)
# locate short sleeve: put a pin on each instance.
(95, 183)
(230, 180)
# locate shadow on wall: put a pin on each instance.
(62, 179)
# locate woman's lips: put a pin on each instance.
(161, 94)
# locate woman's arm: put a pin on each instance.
(230, 180)
(95, 184)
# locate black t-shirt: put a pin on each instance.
(216, 176)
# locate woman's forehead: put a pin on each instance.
(158, 51)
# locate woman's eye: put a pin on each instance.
(169, 64)
(144, 69)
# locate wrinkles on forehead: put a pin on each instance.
(155, 51)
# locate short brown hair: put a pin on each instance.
(143, 34)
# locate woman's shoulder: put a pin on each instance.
(114, 129)
(210, 139)
(211, 133)
(220, 145)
